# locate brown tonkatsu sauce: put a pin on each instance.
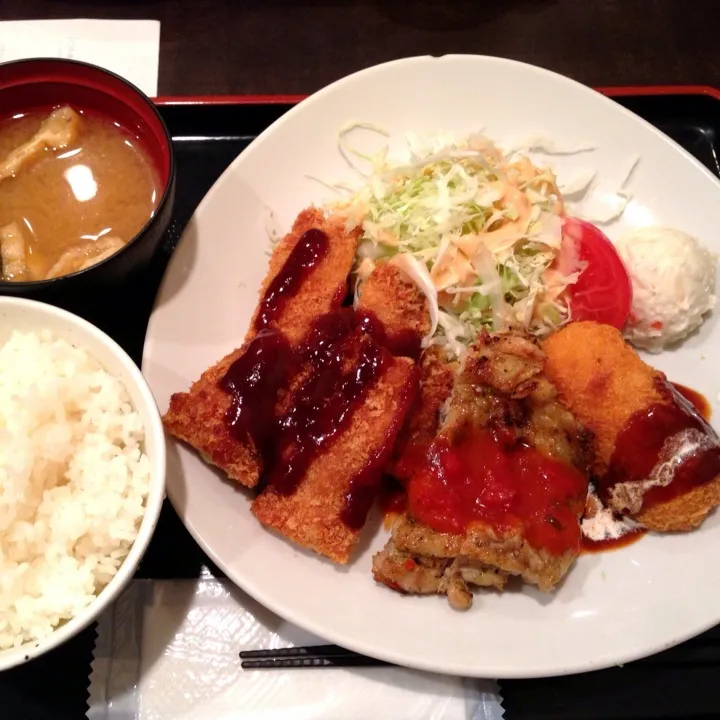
(365, 484)
(698, 401)
(340, 363)
(308, 252)
(342, 357)
(254, 381)
(402, 343)
(639, 449)
(595, 546)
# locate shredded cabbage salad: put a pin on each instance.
(476, 228)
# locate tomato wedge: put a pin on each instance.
(603, 292)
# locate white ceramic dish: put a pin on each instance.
(32, 316)
(613, 607)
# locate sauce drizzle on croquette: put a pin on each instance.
(668, 447)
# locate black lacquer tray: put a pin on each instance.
(208, 134)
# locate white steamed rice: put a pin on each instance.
(73, 482)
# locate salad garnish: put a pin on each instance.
(478, 229)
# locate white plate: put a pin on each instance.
(613, 607)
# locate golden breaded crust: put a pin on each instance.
(437, 374)
(325, 287)
(396, 301)
(198, 416)
(682, 513)
(604, 382)
(600, 379)
(311, 515)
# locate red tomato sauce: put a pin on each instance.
(480, 478)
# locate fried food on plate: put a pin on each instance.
(421, 561)
(503, 486)
(329, 503)
(658, 461)
(397, 303)
(391, 313)
(198, 416)
(601, 379)
(437, 374)
(393, 299)
(324, 287)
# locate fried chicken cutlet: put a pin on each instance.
(403, 310)
(342, 400)
(198, 416)
(395, 301)
(315, 515)
(327, 509)
(502, 406)
(437, 374)
(658, 461)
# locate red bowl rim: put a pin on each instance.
(167, 187)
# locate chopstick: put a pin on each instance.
(312, 656)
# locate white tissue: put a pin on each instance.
(130, 48)
(169, 650)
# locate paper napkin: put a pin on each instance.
(129, 48)
(168, 650)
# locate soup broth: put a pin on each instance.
(76, 204)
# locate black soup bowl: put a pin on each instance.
(45, 83)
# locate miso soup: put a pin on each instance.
(74, 189)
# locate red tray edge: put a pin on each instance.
(626, 90)
(228, 99)
(620, 91)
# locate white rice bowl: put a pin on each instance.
(82, 465)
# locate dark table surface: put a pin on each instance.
(296, 47)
